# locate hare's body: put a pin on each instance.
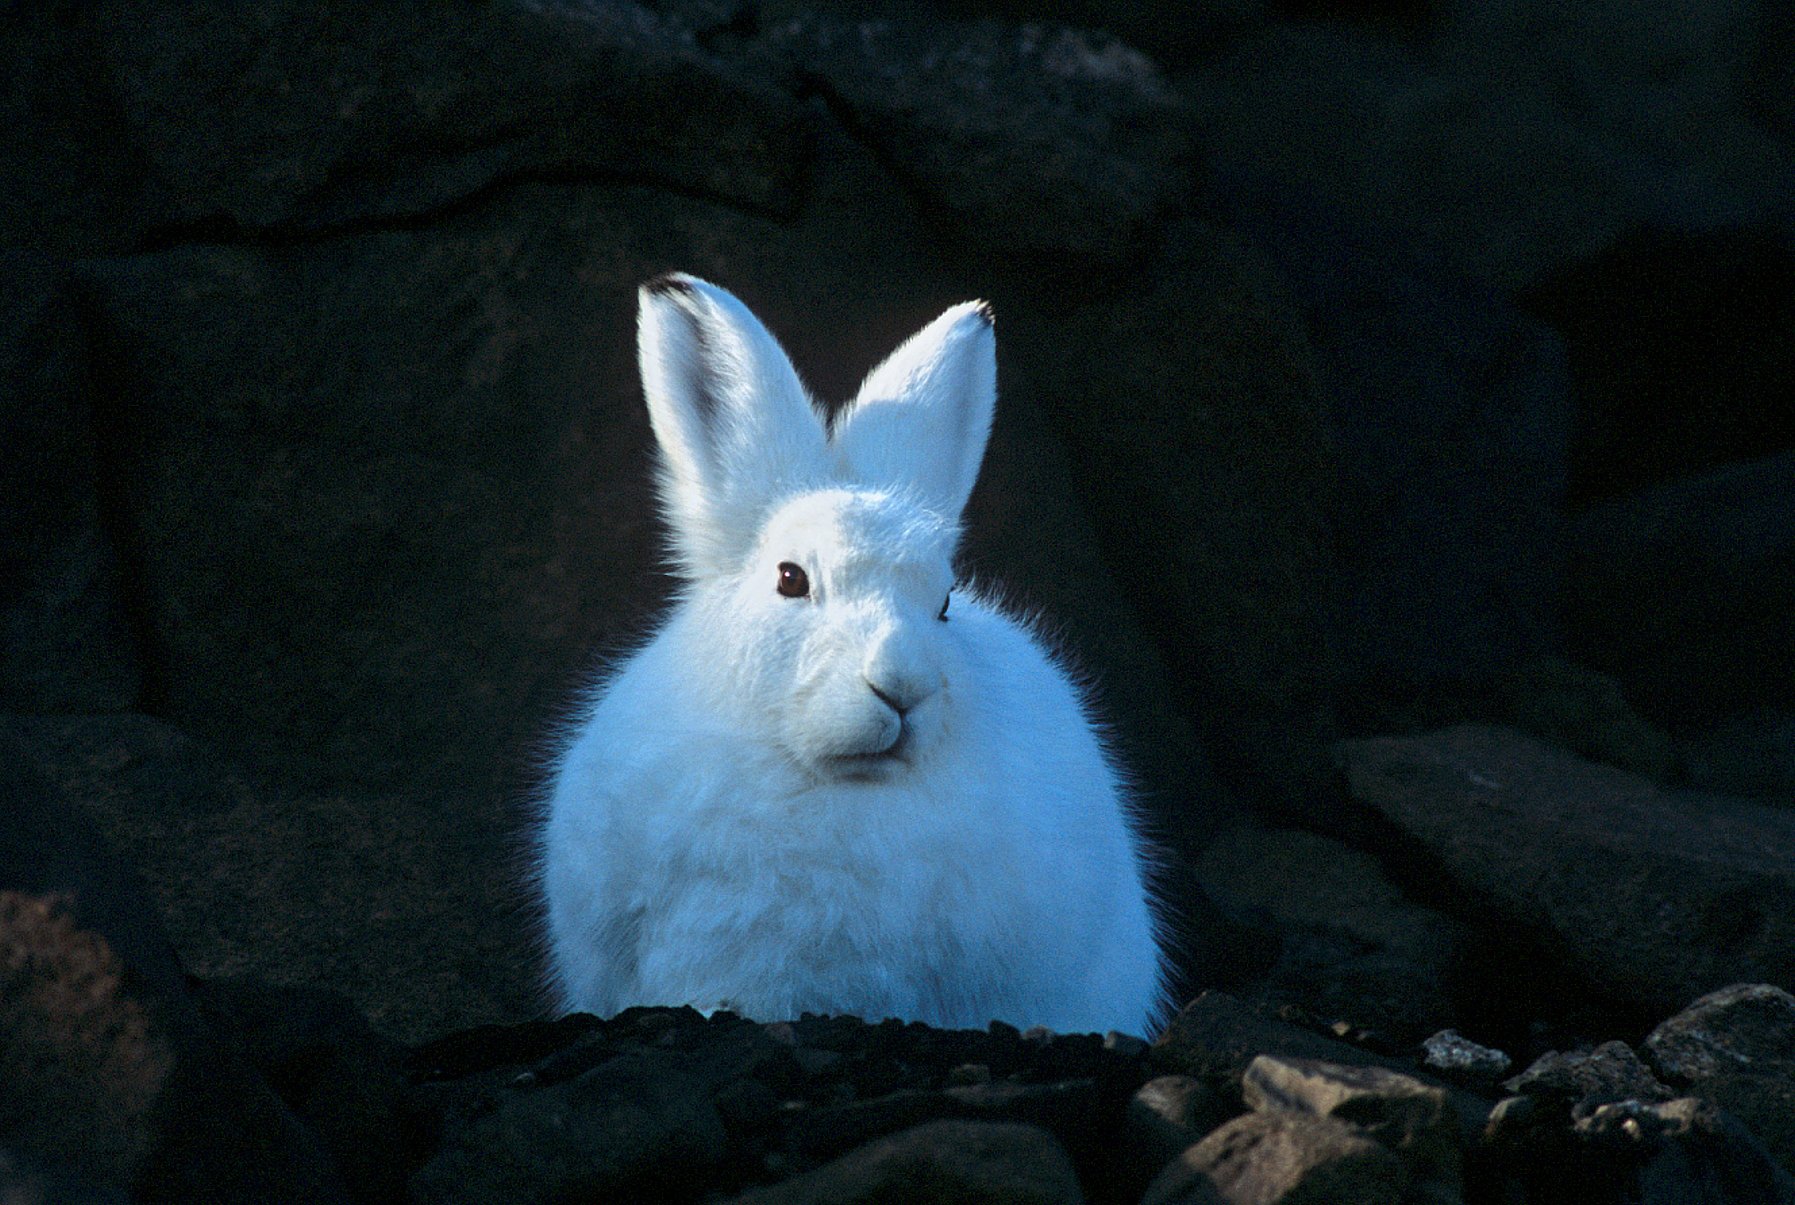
(810, 792)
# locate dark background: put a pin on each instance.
(1366, 369)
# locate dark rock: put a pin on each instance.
(1609, 1072)
(1770, 79)
(1291, 1158)
(1454, 1056)
(1736, 1047)
(1585, 712)
(1172, 35)
(65, 637)
(1652, 896)
(1412, 1119)
(1751, 753)
(975, 1162)
(1169, 1114)
(102, 977)
(1501, 140)
(274, 882)
(1686, 1152)
(1354, 947)
(294, 115)
(1745, 1025)
(636, 1124)
(1192, 402)
(1683, 592)
(1036, 140)
(1450, 415)
(1676, 339)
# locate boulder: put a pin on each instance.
(943, 1162)
(66, 642)
(1650, 895)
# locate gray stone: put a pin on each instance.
(1413, 1119)
(1654, 896)
(1167, 1115)
(65, 635)
(957, 1162)
(1736, 1047)
(282, 114)
(1282, 1158)
(1354, 946)
(1045, 140)
(636, 1124)
(1610, 1071)
(1452, 1054)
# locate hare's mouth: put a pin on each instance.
(876, 764)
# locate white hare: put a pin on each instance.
(835, 781)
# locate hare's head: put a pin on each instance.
(819, 559)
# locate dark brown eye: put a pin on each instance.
(793, 581)
(942, 616)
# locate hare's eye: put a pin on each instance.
(942, 614)
(793, 581)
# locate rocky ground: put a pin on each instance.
(1388, 425)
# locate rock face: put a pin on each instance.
(1654, 896)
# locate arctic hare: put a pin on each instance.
(835, 781)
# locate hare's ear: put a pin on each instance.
(735, 426)
(922, 417)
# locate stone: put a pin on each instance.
(1736, 1028)
(1290, 1159)
(1198, 378)
(337, 115)
(1684, 1151)
(1736, 1048)
(1749, 753)
(1354, 947)
(1039, 140)
(975, 1162)
(66, 642)
(1450, 415)
(1682, 591)
(1609, 1072)
(1451, 1054)
(1652, 896)
(1411, 1118)
(635, 1124)
(1166, 1116)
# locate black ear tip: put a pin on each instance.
(669, 284)
(985, 312)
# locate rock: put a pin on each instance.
(96, 975)
(1166, 1116)
(1751, 753)
(1354, 947)
(276, 882)
(1770, 79)
(83, 1064)
(1683, 591)
(1684, 1151)
(944, 1161)
(1288, 1158)
(1738, 1027)
(1504, 140)
(1609, 1072)
(1192, 403)
(292, 115)
(1586, 712)
(65, 637)
(632, 1125)
(1451, 1054)
(1652, 896)
(1674, 339)
(1036, 140)
(1450, 416)
(1412, 1119)
(1736, 1048)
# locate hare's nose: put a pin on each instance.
(900, 696)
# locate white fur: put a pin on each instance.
(837, 803)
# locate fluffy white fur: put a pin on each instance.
(838, 803)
